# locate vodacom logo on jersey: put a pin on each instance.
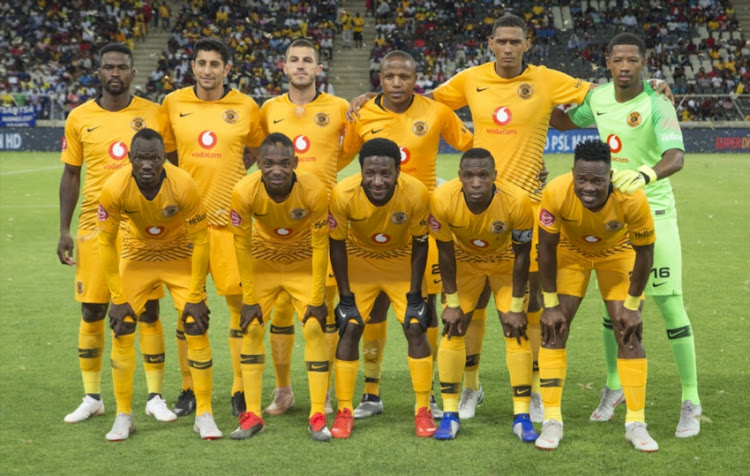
(155, 230)
(301, 144)
(118, 150)
(207, 139)
(480, 243)
(283, 231)
(380, 238)
(502, 116)
(405, 155)
(614, 143)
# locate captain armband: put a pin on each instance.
(522, 236)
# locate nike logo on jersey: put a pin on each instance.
(260, 215)
(373, 131)
(331, 275)
(183, 114)
(276, 121)
(656, 285)
(90, 129)
(568, 219)
(600, 113)
(357, 219)
(131, 211)
(436, 281)
(479, 90)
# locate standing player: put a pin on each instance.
(416, 124)
(97, 134)
(279, 218)
(209, 125)
(316, 123)
(378, 224)
(483, 231)
(645, 140)
(585, 225)
(165, 243)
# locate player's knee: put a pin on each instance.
(149, 316)
(191, 327)
(91, 312)
(128, 326)
(152, 306)
(414, 329)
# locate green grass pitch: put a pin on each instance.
(40, 379)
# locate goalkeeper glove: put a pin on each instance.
(416, 308)
(345, 310)
(628, 181)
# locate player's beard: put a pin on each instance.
(301, 84)
(117, 90)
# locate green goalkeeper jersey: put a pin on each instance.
(638, 132)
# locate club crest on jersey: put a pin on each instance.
(546, 218)
(170, 210)
(634, 119)
(613, 225)
(502, 116)
(322, 119)
(525, 91)
(235, 218)
(137, 123)
(207, 139)
(101, 213)
(380, 238)
(497, 227)
(419, 128)
(399, 218)
(480, 243)
(155, 230)
(230, 116)
(434, 224)
(118, 150)
(301, 144)
(79, 287)
(298, 214)
(283, 231)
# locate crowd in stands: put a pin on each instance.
(47, 49)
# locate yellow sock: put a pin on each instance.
(187, 379)
(331, 332)
(123, 367)
(633, 376)
(553, 365)
(282, 339)
(451, 361)
(421, 381)
(234, 303)
(201, 368)
(518, 360)
(316, 362)
(373, 343)
(151, 342)
(474, 339)
(346, 377)
(253, 361)
(90, 352)
(534, 333)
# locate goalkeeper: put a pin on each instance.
(645, 140)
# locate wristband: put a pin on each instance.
(451, 300)
(649, 174)
(516, 304)
(550, 299)
(632, 302)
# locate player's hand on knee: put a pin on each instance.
(416, 308)
(65, 249)
(514, 325)
(347, 309)
(453, 322)
(631, 327)
(122, 319)
(199, 312)
(318, 312)
(553, 325)
(248, 314)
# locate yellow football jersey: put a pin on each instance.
(624, 219)
(384, 231)
(157, 229)
(316, 130)
(100, 139)
(511, 116)
(485, 237)
(210, 138)
(416, 131)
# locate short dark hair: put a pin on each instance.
(116, 48)
(212, 44)
(627, 39)
(277, 139)
(398, 54)
(303, 43)
(592, 151)
(477, 153)
(512, 21)
(146, 134)
(380, 147)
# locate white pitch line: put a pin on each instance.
(11, 207)
(26, 171)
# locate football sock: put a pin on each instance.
(373, 343)
(433, 337)
(534, 333)
(316, 361)
(451, 362)
(633, 374)
(151, 342)
(331, 331)
(201, 368)
(610, 351)
(474, 339)
(553, 365)
(346, 377)
(90, 352)
(253, 360)
(518, 359)
(282, 339)
(234, 303)
(182, 351)
(123, 367)
(421, 380)
(680, 335)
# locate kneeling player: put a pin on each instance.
(378, 222)
(479, 226)
(165, 243)
(586, 224)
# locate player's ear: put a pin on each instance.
(295, 161)
(528, 45)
